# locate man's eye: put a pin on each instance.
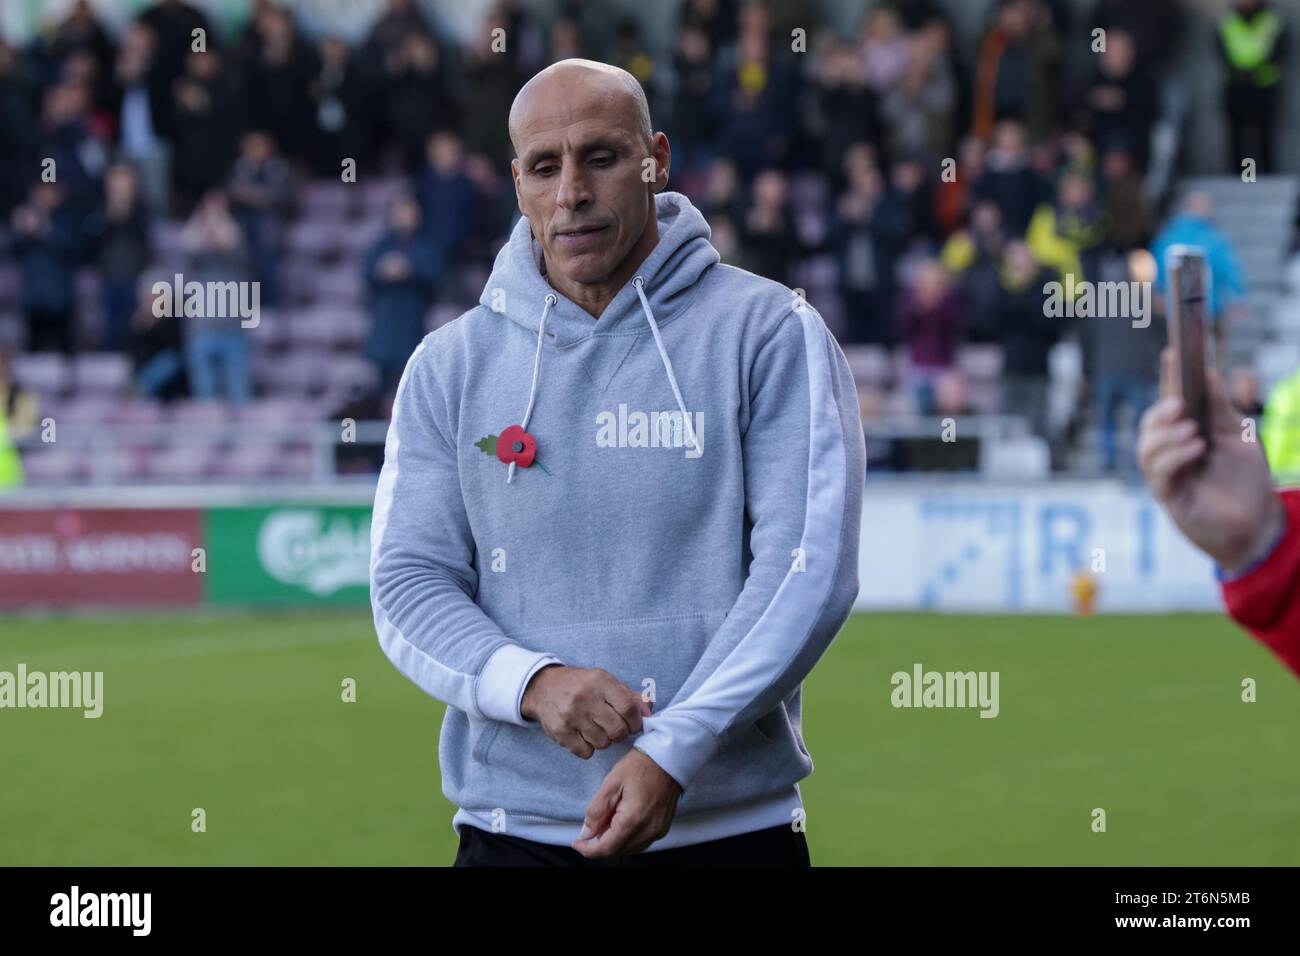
(543, 170)
(602, 160)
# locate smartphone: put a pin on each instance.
(1187, 274)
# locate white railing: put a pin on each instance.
(110, 454)
(107, 448)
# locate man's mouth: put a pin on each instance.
(577, 231)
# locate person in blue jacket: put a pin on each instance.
(1193, 225)
(402, 271)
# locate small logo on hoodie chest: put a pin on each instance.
(637, 429)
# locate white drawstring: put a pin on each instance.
(537, 365)
(638, 282)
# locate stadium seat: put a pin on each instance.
(127, 463)
(188, 462)
(284, 412)
(272, 329)
(869, 364)
(80, 410)
(356, 239)
(314, 328)
(379, 193)
(984, 397)
(102, 373)
(312, 240)
(136, 412)
(46, 373)
(303, 372)
(54, 465)
(901, 403)
(298, 280)
(352, 371)
(250, 461)
(201, 413)
(344, 286)
(980, 363)
(329, 201)
(296, 461)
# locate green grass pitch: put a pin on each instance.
(241, 715)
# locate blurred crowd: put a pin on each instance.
(920, 190)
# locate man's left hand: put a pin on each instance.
(633, 808)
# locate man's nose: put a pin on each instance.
(574, 191)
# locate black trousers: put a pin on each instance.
(50, 330)
(774, 846)
(1252, 119)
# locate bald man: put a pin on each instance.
(618, 518)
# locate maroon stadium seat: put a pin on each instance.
(47, 373)
(102, 373)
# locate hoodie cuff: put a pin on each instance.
(680, 745)
(503, 679)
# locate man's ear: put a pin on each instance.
(514, 175)
(663, 157)
(661, 181)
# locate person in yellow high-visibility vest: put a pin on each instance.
(1252, 40)
(17, 415)
(11, 466)
(1280, 430)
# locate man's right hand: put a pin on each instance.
(583, 709)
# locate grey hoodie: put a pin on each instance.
(689, 523)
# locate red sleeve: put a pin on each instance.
(1266, 599)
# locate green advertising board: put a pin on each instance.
(288, 554)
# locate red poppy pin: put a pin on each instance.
(512, 445)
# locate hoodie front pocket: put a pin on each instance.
(769, 725)
(523, 770)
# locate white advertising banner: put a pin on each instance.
(980, 547)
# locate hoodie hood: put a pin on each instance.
(518, 288)
(663, 284)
